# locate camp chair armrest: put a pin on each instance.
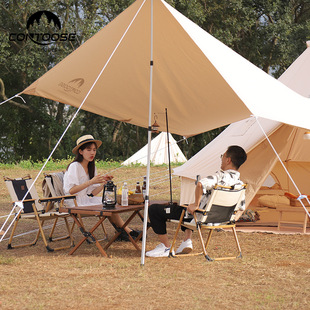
(198, 210)
(204, 212)
(230, 187)
(25, 200)
(58, 198)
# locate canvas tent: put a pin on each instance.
(151, 58)
(159, 152)
(288, 141)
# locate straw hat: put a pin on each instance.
(85, 139)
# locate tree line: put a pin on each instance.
(270, 34)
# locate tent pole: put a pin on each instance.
(169, 156)
(146, 205)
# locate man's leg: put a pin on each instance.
(170, 212)
(158, 215)
(187, 245)
(188, 234)
(164, 239)
(158, 218)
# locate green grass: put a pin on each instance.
(62, 164)
(55, 164)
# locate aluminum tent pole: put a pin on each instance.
(146, 206)
(170, 181)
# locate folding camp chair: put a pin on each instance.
(217, 214)
(34, 209)
(52, 186)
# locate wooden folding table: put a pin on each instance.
(101, 213)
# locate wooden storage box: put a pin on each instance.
(133, 199)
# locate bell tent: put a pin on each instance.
(159, 152)
(262, 164)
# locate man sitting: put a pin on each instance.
(231, 160)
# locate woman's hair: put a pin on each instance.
(79, 158)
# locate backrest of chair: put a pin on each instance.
(54, 183)
(19, 187)
(47, 186)
(53, 186)
(222, 204)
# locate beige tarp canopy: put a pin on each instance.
(202, 83)
(288, 141)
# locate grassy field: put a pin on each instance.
(274, 272)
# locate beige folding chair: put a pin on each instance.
(52, 186)
(217, 214)
(34, 209)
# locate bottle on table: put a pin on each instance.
(144, 187)
(138, 188)
(125, 195)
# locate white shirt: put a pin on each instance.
(76, 175)
(224, 178)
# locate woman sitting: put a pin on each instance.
(81, 179)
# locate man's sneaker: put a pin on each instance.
(160, 251)
(185, 247)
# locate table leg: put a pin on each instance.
(88, 234)
(129, 236)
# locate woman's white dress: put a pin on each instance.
(76, 175)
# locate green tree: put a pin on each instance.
(270, 34)
(31, 130)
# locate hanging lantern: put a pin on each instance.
(109, 195)
(155, 126)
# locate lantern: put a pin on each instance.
(155, 126)
(109, 195)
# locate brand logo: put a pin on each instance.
(43, 28)
(72, 86)
(51, 17)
